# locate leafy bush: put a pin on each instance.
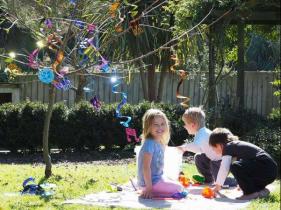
(266, 136)
(11, 114)
(58, 134)
(31, 125)
(82, 127)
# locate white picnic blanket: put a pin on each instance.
(128, 198)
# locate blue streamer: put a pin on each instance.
(122, 103)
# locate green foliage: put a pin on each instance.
(10, 125)
(31, 125)
(84, 128)
(267, 136)
(276, 112)
(58, 134)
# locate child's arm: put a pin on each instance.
(147, 193)
(192, 147)
(223, 172)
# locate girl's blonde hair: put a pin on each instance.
(147, 122)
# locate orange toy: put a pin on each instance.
(208, 193)
(184, 181)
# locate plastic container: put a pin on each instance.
(172, 162)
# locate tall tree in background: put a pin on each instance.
(150, 28)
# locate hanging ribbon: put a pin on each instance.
(176, 62)
(130, 132)
(62, 83)
(96, 103)
(54, 41)
(183, 76)
(59, 59)
(48, 23)
(91, 28)
(113, 8)
(104, 66)
(122, 103)
(136, 29)
(32, 59)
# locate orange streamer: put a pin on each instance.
(58, 60)
(176, 62)
(113, 7)
(183, 76)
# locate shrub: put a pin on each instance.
(13, 137)
(266, 136)
(58, 135)
(31, 125)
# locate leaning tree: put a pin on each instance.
(74, 37)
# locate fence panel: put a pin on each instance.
(258, 90)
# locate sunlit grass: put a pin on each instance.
(74, 180)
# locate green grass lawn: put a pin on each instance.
(77, 179)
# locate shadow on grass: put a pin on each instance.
(57, 156)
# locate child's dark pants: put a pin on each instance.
(209, 169)
(253, 175)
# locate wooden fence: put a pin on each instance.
(258, 90)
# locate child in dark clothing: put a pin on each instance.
(252, 167)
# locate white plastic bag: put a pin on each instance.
(172, 162)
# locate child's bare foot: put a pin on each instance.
(260, 194)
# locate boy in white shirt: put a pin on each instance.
(206, 160)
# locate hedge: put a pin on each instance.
(82, 127)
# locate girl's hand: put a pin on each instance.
(147, 193)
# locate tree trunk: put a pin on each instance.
(161, 83)
(80, 95)
(240, 73)
(165, 64)
(151, 82)
(143, 82)
(46, 155)
(211, 83)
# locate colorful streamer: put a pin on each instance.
(59, 59)
(48, 23)
(122, 103)
(176, 62)
(136, 29)
(130, 132)
(96, 103)
(62, 83)
(104, 66)
(32, 59)
(113, 8)
(183, 76)
(54, 41)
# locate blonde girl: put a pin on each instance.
(155, 136)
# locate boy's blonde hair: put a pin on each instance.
(147, 122)
(195, 115)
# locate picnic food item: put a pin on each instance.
(208, 193)
(198, 179)
(184, 180)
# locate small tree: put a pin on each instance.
(68, 30)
